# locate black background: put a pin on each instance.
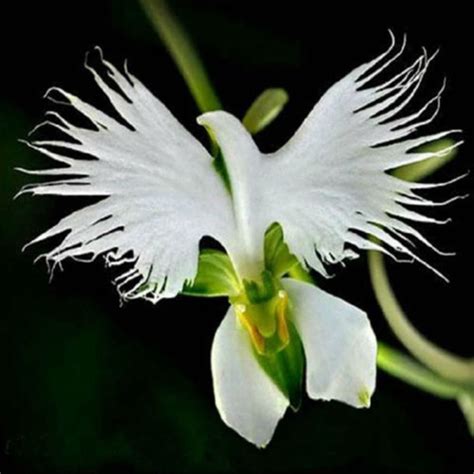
(88, 386)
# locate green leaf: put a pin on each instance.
(215, 277)
(278, 259)
(286, 368)
(264, 109)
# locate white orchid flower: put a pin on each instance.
(328, 189)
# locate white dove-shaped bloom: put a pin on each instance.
(329, 189)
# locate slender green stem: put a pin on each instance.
(466, 404)
(183, 53)
(407, 369)
(448, 365)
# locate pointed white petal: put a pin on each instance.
(160, 193)
(339, 345)
(247, 400)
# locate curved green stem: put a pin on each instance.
(407, 369)
(448, 365)
(466, 404)
(183, 53)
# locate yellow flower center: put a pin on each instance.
(266, 322)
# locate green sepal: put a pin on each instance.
(278, 259)
(215, 276)
(265, 108)
(263, 290)
(286, 368)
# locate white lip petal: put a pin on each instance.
(339, 345)
(247, 400)
(160, 193)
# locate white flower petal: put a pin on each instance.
(329, 186)
(336, 166)
(339, 345)
(160, 192)
(247, 400)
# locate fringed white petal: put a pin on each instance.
(247, 399)
(328, 186)
(160, 193)
(339, 344)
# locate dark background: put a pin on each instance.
(91, 387)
